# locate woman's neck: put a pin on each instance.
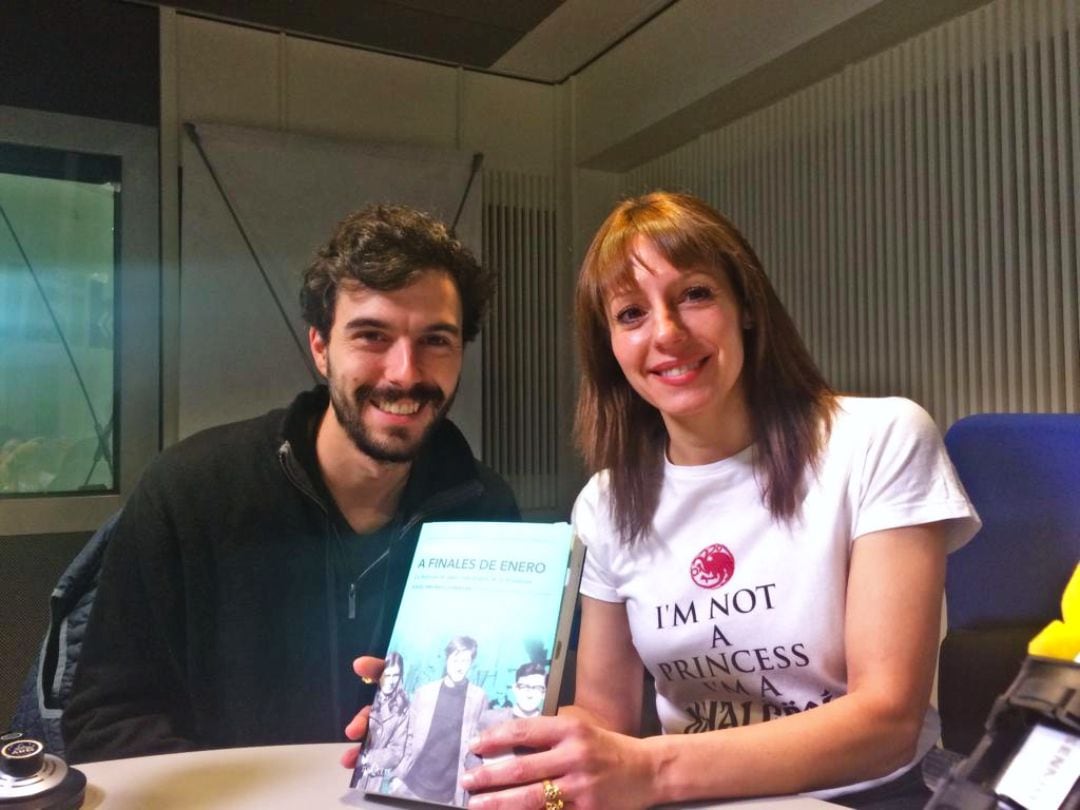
(705, 439)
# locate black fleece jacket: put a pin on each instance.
(233, 596)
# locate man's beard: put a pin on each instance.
(348, 414)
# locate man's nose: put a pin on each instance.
(402, 364)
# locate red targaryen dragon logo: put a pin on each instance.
(713, 567)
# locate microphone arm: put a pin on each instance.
(474, 169)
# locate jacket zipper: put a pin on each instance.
(443, 500)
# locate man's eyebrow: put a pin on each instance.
(376, 323)
(365, 323)
(444, 326)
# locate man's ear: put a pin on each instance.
(319, 347)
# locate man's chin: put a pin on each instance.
(391, 452)
(393, 445)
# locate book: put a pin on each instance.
(480, 637)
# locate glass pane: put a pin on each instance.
(58, 252)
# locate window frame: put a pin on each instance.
(136, 373)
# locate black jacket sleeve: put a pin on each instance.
(130, 694)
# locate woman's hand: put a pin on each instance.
(593, 769)
(369, 669)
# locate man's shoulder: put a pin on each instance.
(221, 445)
(494, 484)
(451, 462)
(237, 444)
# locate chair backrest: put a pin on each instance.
(1022, 472)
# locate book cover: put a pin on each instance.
(479, 638)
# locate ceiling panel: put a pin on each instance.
(474, 33)
(518, 15)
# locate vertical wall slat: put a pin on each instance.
(1050, 174)
(1070, 225)
(520, 378)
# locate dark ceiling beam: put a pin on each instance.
(473, 33)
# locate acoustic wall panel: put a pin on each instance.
(918, 211)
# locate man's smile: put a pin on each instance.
(400, 407)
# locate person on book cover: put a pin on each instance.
(254, 561)
(388, 723)
(772, 551)
(528, 692)
(443, 719)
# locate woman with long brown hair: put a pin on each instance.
(387, 729)
(772, 552)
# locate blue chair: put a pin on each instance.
(1022, 472)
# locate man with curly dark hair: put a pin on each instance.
(254, 560)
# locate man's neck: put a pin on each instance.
(366, 491)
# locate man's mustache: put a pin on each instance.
(420, 393)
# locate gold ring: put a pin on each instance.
(552, 796)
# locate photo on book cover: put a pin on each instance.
(479, 639)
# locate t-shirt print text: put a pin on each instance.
(746, 679)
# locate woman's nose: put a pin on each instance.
(668, 326)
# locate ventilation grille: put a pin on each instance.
(520, 384)
(918, 212)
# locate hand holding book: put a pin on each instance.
(370, 669)
(574, 759)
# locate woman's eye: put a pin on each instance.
(697, 293)
(629, 315)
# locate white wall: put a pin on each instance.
(235, 75)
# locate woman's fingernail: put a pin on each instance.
(367, 680)
(475, 741)
(468, 781)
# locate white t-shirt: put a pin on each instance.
(741, 619)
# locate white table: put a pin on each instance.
(286, 776)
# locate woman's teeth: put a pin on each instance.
(679, 370)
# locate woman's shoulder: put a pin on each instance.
(592, 511)
(878, 416)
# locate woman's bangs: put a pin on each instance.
(683, 237)
(613, 271)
